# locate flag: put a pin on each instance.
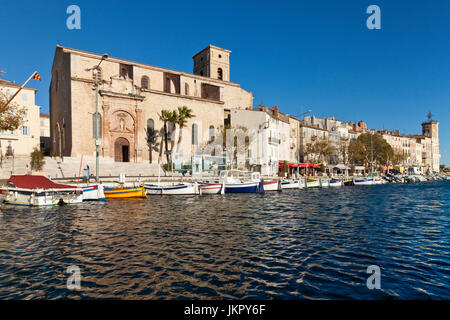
(36, 76)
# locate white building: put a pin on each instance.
(23, 140)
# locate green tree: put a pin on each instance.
(319, 149)
(182, 116)
(167, 116)
(37, 160)
(11, 118)
(370, 147)
(151, 137)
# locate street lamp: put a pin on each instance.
(96, 118)
(301, 140)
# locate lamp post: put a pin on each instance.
(97, 118)
(300, 139)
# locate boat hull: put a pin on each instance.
(41, 198)
(177, 189)
(125, 193)
(313, 183)
(271, 186)
(250, 187)
(363, 182)
(336, 183)
(93, 193)
(296, 184)
(210, 188)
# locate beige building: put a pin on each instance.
(24, 139)
(131, 97)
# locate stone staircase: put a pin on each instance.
(70, 167)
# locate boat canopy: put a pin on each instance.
(29, 181)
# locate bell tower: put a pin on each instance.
(213, 62)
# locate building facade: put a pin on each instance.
(22, 141)
(130, 100)
(45, 140)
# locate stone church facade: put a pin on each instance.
(130, 100)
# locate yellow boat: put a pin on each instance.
(125, 193)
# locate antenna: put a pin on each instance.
(429, 116)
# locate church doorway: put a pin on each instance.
(121, 150)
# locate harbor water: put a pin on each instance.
(296, 244)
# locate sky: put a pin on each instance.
(298, 55)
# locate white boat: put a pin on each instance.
(93, 192)
(30, 190)
(292, 184)
(237, 181)
(324, 183)
(273, 185)
(336, 183)
(172, 188)
(312, 183)
(211, 188)
(363, 181)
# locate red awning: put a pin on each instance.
(28, 181)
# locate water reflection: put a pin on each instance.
(290, 245)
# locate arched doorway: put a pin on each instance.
(122, 150)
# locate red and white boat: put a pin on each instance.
(274, 185)
(30, 190)
(211, 188)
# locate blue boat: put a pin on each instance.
(241, 182)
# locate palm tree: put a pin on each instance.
(151, 136)
(184, 113)
(167, 116)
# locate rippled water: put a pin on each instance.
(292, 245)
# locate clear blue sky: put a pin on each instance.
(317, 54)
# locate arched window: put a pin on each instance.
(220, 74)
(212, 133)
(150, 125)
(99, 73)
(194, 134)
(145, 82)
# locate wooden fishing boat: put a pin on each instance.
(348, 182)
(211, 188)
(241, 181)
(363, 181)
(293, 184)
(336, 183)
(93, 192)
(125, 193)
(272, 185)
(171, 188)
(31, 190)
(312, 183)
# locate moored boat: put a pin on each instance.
(324, 183)
(292, 184)
(241, 182)
(363, 181)
(348, 182)
(211, 188)
(125, 193)
(272, 185)
(336, 183)
(312, 183)
(93, 192)
(170, 188)
(31, 190)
